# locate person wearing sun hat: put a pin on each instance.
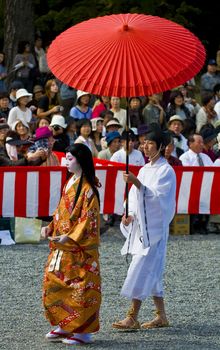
(113, 144)
(58, 126)
(146, 229)
(21, 111)
(175, 126)
(82, 109)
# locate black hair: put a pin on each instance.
(82, 122)
(21, 46)
(216, 88)
(3, 62)
(106, 112)
(84, 158)
(206, 98)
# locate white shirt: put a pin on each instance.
(135, 157)
(189, 158)
(17, 114)
(181, 144)
(217, 162)
(217, 109)
(121, 116)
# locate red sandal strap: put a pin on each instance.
(59, 333)
(77, 339)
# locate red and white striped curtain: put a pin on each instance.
(35, 191)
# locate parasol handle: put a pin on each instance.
(127, 158)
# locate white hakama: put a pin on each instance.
(153, 207)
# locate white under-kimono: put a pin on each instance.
(153, 207)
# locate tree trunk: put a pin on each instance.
(18, 25)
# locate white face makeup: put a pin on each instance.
(72, 164)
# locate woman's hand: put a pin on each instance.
(127, 220)
(60, 239)
(45, 232)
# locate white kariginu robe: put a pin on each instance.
(153, 207)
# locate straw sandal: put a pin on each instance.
(134, 325)
(158, 322)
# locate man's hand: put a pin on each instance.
(131, 178)
(60, 239)
(128, 220)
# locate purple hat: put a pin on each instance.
(142, 129)
(43, 133)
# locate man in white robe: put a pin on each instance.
(151, 209)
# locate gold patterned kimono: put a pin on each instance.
(71, 288)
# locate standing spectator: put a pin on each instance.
(96, 135)
(21, 111)
(175, 126)
(206, 115)
(101, 104)
(15, 85)
(119, 112)
(49, 104)
(135, 157)
(177, 106)
(4, 106)
(84, 129)
(113, 139)
(190, 103)
(24, 63)
(210, 78)
(3, 72)
(82, 109)
(154, 112)
(61, 139)
(135, 112)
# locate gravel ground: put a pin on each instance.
(192, 297)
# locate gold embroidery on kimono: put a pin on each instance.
(71, 288)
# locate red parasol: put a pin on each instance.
(125, 55)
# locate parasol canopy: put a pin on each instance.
(126, 55)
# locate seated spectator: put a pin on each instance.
(96, 135)
(82, 109)
(209, 135)
(15, 85)
(177, 106)
(135, 112)
(101, 104)
(22, 129)
(21, 153)
(42, 122)
(217, 161)
(84, 129)
(112, 125)
(61, 139)
(21, 111)
(4, 107)
(71, 131)
(44, 141)
(216, 91)
(119, 112)
(195, 156)
(113, 140)
(154, 112)
(49, 104)
(4, 128)
(142, 132)
(38, 92)
(135, 157)
(106, 116)
(190, 103)
(175, 126)
(173, 161)
(206, 115)
(210, 78)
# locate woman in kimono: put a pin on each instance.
(151, 209)
(71, 288)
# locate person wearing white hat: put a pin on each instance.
(58, 127)
(21, 111)
(82, 109)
